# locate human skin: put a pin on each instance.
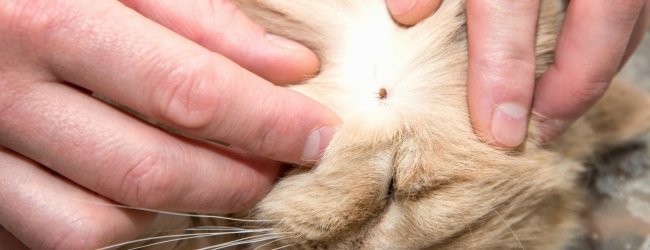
(596, 38)
(200, 67)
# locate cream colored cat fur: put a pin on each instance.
(405, 170)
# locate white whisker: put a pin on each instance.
(282, 247)
(106, 204)
(243, 241)
(220, 228)
(205, 228)
(471, 235)
(270, 242)
(180, 237)
(185, 238)
(247, 240)
(189, 215)
(175, 240)
(509, 228)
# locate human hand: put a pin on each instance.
(595, 39)
(175, 61)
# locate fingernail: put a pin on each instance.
(398, 7)
(509, 122)
(551, 129)
(317, 142)
(284, 42)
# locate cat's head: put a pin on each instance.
(405, 170)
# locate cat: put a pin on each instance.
(406, 170)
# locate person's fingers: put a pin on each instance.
(501, 68)
(35, 200)
(140, 64)
(221, 27)
(592, 43)
(124, 159)
(640, 28)
(410, 12)
(9, 241)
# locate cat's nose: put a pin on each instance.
(341, 194)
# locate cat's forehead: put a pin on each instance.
(374, 46)
(382, 71)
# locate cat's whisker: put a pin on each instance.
(192, 215)
(106, 204)
(282, 247)
(273, 241)
(509, 228)
(269, 243)
(243, 241)
(219, 228)
(206, 228)
(176, 213)
(471, 235)
(190, 237)
(179, 237)
(237, 243)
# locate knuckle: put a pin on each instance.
(184, 97)
(629, 6)
(148, 182)
(511, 7)
(512, 60)
(34, 18)
(225, 12)
(17, 15)
(587, 92)
(624, 12)
(266, 137)
(220, 13)
(9, 97)
(225, 20)
(218, 6)
(500, 67)
(244, 196)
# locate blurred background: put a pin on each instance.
(619, 217)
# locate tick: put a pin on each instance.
(382, 93)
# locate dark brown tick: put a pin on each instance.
(382, 93)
